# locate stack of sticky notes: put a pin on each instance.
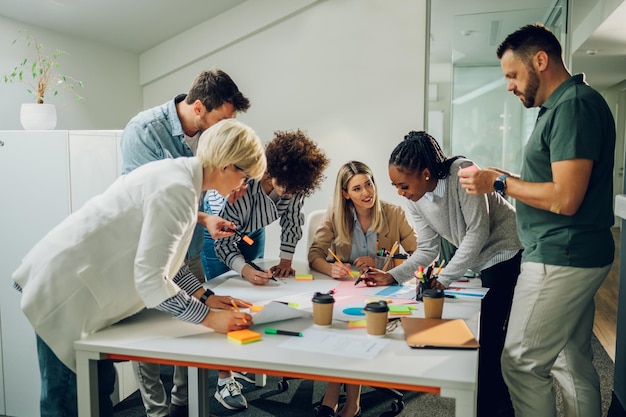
(357, 324)
(401, 310)
(244, 336)
(304, 277)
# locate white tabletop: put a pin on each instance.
(152, 335)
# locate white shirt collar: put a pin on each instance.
(439, 191)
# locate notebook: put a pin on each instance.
(438, 333)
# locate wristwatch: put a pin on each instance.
(206, 295)
(499, 185)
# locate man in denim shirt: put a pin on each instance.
(171, 130)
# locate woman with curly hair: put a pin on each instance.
(295, 167)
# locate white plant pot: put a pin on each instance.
(34, 116)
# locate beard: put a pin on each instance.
(532, 86)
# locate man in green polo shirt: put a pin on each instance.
(564, 215)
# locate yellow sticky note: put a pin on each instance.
(244, 336)
(357, 324)
(304, 277)
(256, 309)
(355, 274)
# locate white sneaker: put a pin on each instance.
(244, 376)
(230, 396)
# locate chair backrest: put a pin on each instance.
(313, 221)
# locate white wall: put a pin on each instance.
(112, 94)
(350, 73)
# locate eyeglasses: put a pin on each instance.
(248, 178)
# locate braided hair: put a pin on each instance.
(418, 151)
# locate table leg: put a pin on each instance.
(260, 380)
(87, 383)
(199, 397)
(465, 401)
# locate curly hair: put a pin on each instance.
(296, 162)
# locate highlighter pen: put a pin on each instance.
(243, 237)
(283, 332)
(258, 268)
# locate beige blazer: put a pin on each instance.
(397, 229)
(113, 257)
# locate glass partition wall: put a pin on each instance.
(486, 123)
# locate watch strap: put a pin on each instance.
(206, 295)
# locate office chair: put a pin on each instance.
(397, 405)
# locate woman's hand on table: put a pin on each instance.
(339, 270)
(376, 277)
(226, 321)
(225, 302)
(364, 261)
(283, 269)
(254, 276)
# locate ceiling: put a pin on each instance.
(114, 22)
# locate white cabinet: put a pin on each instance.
(44, 176)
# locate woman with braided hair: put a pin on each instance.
(483, 229)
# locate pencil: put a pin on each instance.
(440, 267)
(237, 309)
(335, 256)
(394, 248)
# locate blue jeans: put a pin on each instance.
(58, 385)
(214, 267)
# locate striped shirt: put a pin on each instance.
(255, 210)
(213, 202)
(182, 306)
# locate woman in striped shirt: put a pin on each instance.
(295, 166)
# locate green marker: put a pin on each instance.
(283, 332)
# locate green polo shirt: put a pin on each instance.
(575, 122)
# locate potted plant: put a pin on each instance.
(42, 80)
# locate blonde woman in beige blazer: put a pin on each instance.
(354, 227)
(120, 253)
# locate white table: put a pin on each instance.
(156, 337)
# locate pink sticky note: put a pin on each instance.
(468, 169)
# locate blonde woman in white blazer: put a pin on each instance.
(108, 260)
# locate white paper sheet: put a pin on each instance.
(275, 311)
(353, 346)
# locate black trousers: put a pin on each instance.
(493, 394)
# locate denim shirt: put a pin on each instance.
(156, 134)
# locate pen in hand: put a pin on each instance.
(243, 236)
(362, 276)
(237, 310)
(258, 268)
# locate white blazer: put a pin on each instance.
(113, 257)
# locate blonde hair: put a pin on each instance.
(343, 208)
(231, 142)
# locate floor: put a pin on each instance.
(605, 324)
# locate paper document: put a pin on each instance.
(331, 343)
(275, 311)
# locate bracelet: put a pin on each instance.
(206, 295)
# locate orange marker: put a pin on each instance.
(243, 237)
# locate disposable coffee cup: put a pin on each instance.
(376, 318)
(398, 258)
(433, 303)
(322, 309)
